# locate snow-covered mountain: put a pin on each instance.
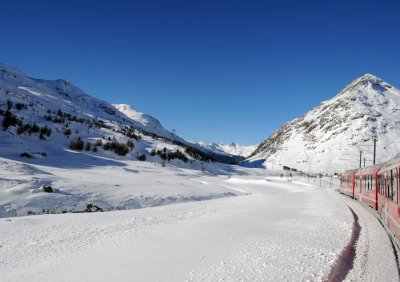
(329, 138)
(44, 95)
(147, 121)
(94, 156)
(232, 148)
(45, 115)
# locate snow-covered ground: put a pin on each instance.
(81, 180)
(272, 230)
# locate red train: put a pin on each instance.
(377, 187)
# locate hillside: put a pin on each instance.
(232, 148)
(94, 155)
(330, 137)
(57, 112)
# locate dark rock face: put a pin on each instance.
(47, 188)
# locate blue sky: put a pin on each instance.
(212, 70)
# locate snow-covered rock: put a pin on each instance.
(329, 138)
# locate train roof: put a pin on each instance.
(376, 167)
(392, 161)
(370, 168)
(351, 171)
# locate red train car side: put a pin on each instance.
(366, 186)
(388, 195)
(347, 183)
(378, 187)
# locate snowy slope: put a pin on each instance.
(220, 152)
(90, 153)
(329, 137)
(61, 106)
(62, 94)
(232, 148)
(147, 121)
(82, 181)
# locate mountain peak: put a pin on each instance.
(369, 77)
(324, 137)
(365, 82)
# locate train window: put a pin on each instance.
(384, 180)
(365, 184)
(390, 192)
(380, 184)
(369, 183)
(373, 182)
(387, 185)
(394, 188)
(383, 185)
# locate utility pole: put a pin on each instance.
(360, 158)
(374, 149)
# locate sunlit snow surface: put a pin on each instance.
(190, 221)
(260, 227)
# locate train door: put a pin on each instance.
(385, 207)
(377, 188)
(393, 194)
(397, 186)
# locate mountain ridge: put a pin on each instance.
(60, 113)
(231, 148)
(324, 135)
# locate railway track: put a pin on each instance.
(372, 252)
(345, 261)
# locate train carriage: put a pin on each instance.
(366, 186)
(347, 183)
(378, 187)
(388, 195)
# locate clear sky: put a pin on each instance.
(212, 70)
